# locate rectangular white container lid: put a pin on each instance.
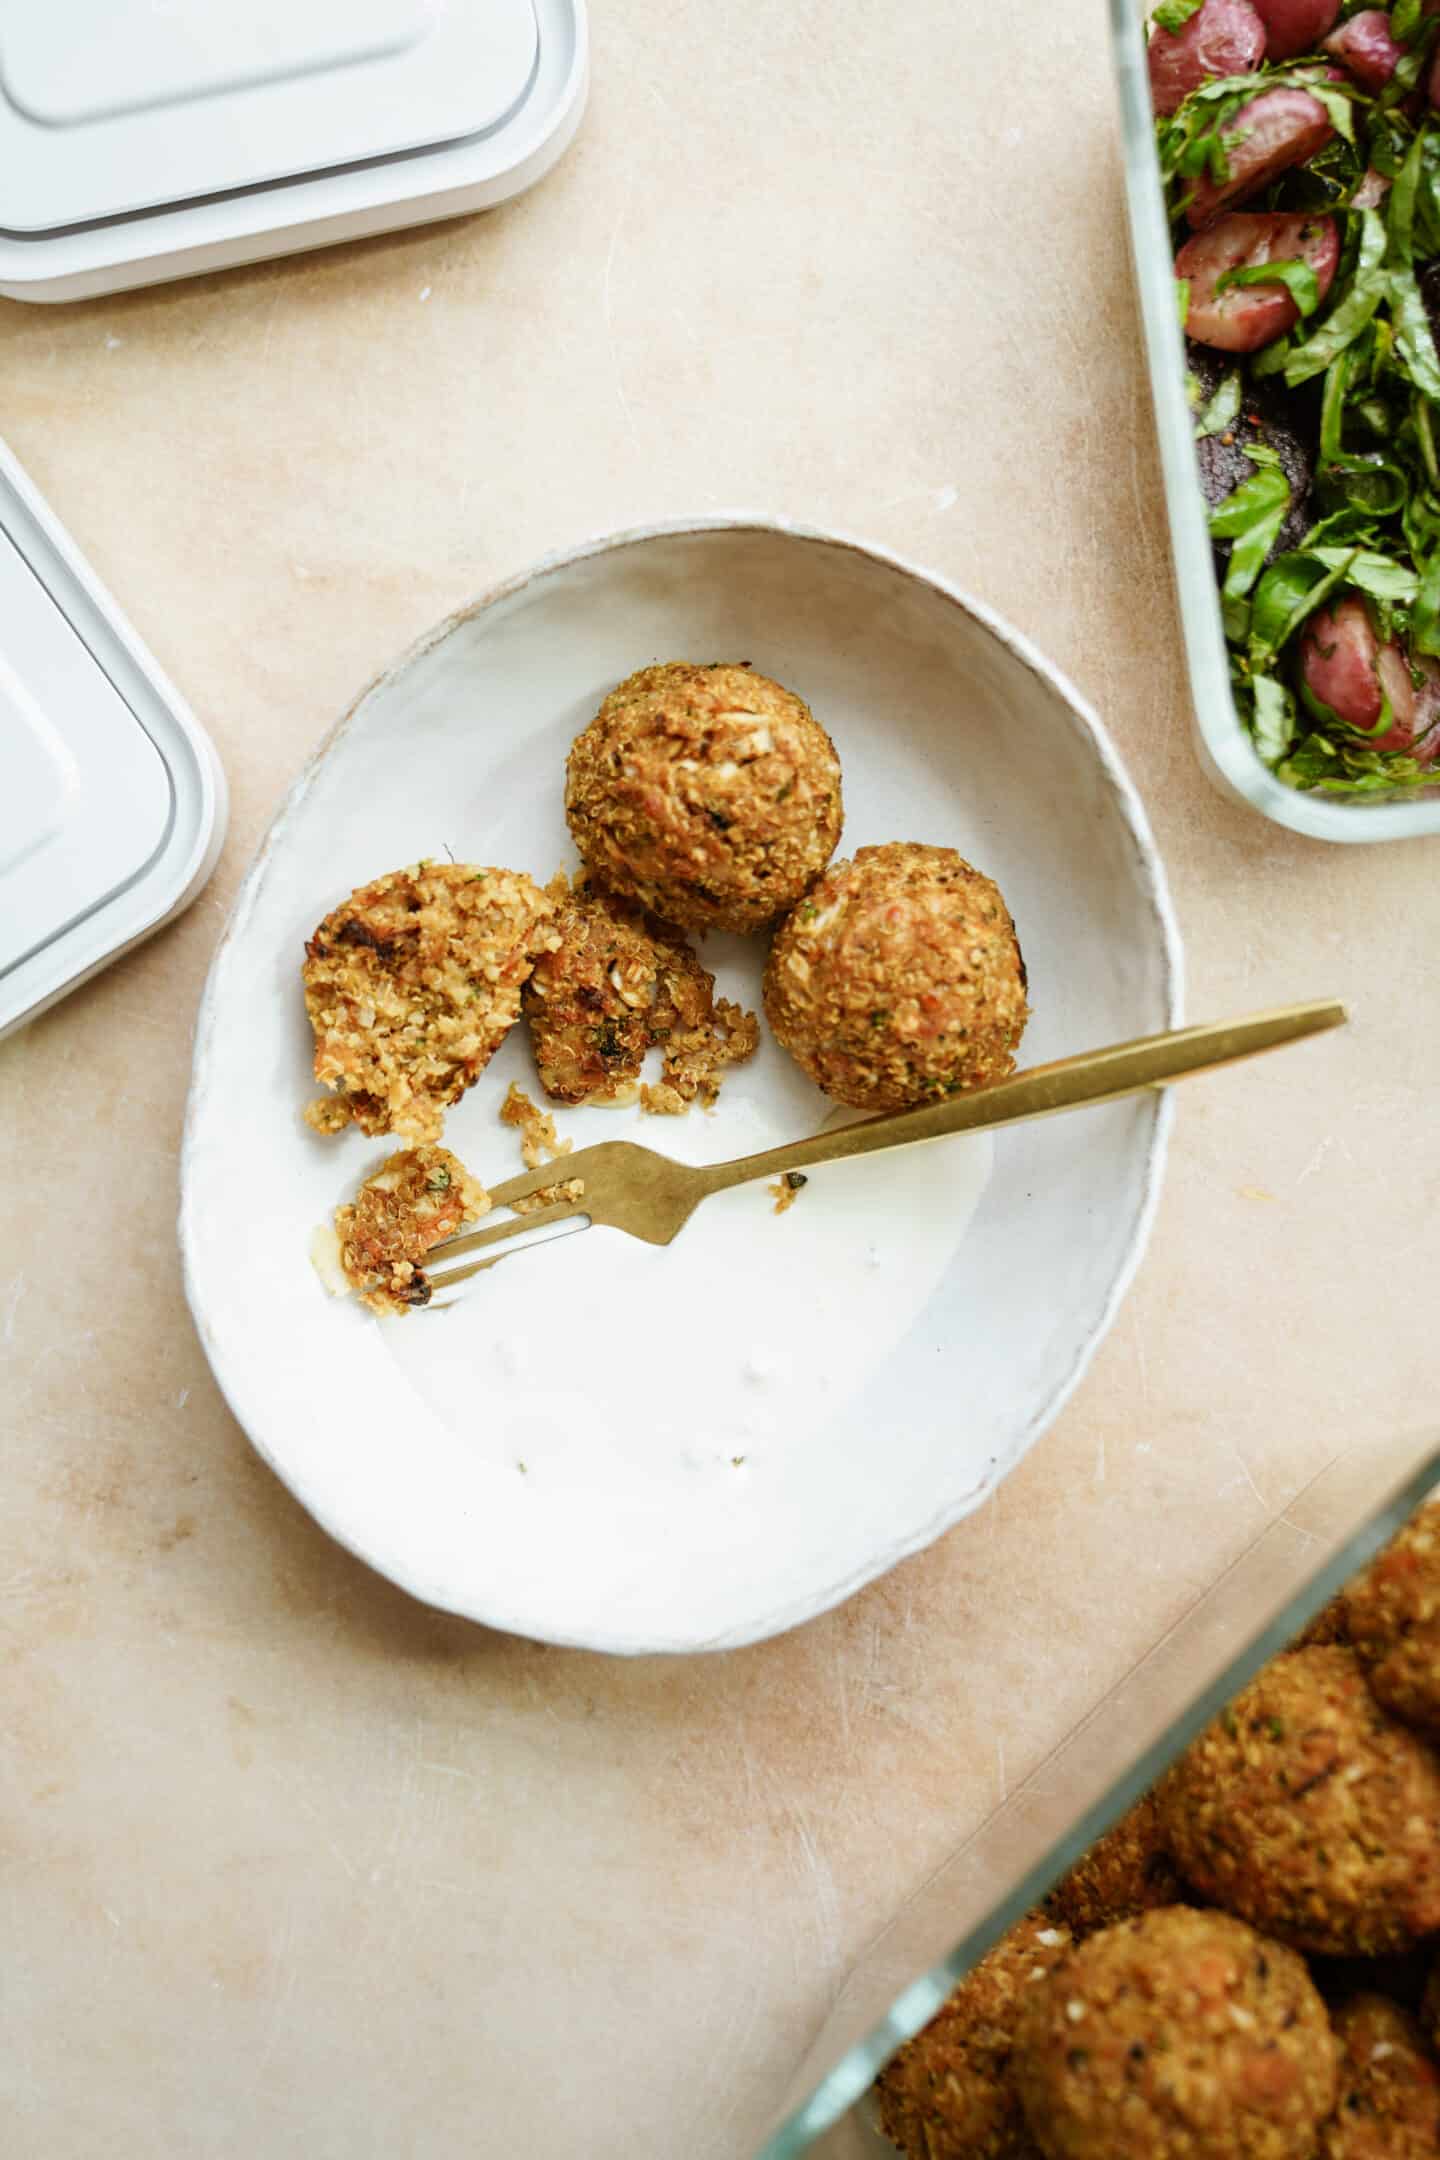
(112, 801)
(106, 110)
(139, 143)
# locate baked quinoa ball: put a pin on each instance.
(1330, 1625)
(411, 986)
(1125, 1872)
(1309, 1810)
(947, 2095)
(1388, 2106)
(708, 794)
(1393, 1613)
(410, 1205)
(616, 985)
(899, 979)
(1180, 2035)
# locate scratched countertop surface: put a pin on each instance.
(288, 1865)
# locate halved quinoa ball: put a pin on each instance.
(616, 985)
(948, 2095)
(1393, 1613)
(412, 1203)
(1180, 2035)
(411, 986)
(1125, 1872)
(899, 978)
(1311, 1811)
(709, 794)
(1388, 2106)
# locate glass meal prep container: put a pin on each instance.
(1001, 1873)
(1225, 750)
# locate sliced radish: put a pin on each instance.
(1225, 37)
(1245, 317)
(1276, 130)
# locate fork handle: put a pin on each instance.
(1098, 1076)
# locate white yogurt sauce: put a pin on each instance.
(602, 1363)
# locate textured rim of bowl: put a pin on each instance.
(1151, 881)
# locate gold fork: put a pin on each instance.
(633, 1189)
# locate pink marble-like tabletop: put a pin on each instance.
(291, 1866)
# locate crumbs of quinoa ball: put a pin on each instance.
(412, 1203)
(786, 1190)
(539, 1141)
(1393, 1613)
(1125, 1872)
(568, 1191)
(411, 986)
(1309, 1810)
(709, 795)
(617, 985)
(1179, 2035)
(1388, 2107)
(899, 980)
(947, 2095)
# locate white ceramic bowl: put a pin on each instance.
(637, 1449)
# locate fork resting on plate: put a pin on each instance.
(631, 1188)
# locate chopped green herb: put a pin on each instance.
(1174, 14)
(1297, 277)
(1252, 517)
(1223, 409)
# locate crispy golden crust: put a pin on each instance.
(1179, 2035)
(1393, 1613)
(1309, 1810)
(1330, 1625)
(1125, 1872)
(709, 794)
(411, 985)
(899, 979)
(1388, 2107)
(947, 2095)
(616, 984)
(411, 1204)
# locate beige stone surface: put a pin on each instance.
(289, 1866)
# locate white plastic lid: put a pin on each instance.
(84, 796)
(106, 109)
(111, 800)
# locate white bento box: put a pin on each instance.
(139, 144)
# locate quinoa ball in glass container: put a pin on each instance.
(1310, 1810)
(1179, 2035)
(947, 2095)
(1393, 1615)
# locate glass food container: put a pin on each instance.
(1114, 1755)
(1224, 748)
